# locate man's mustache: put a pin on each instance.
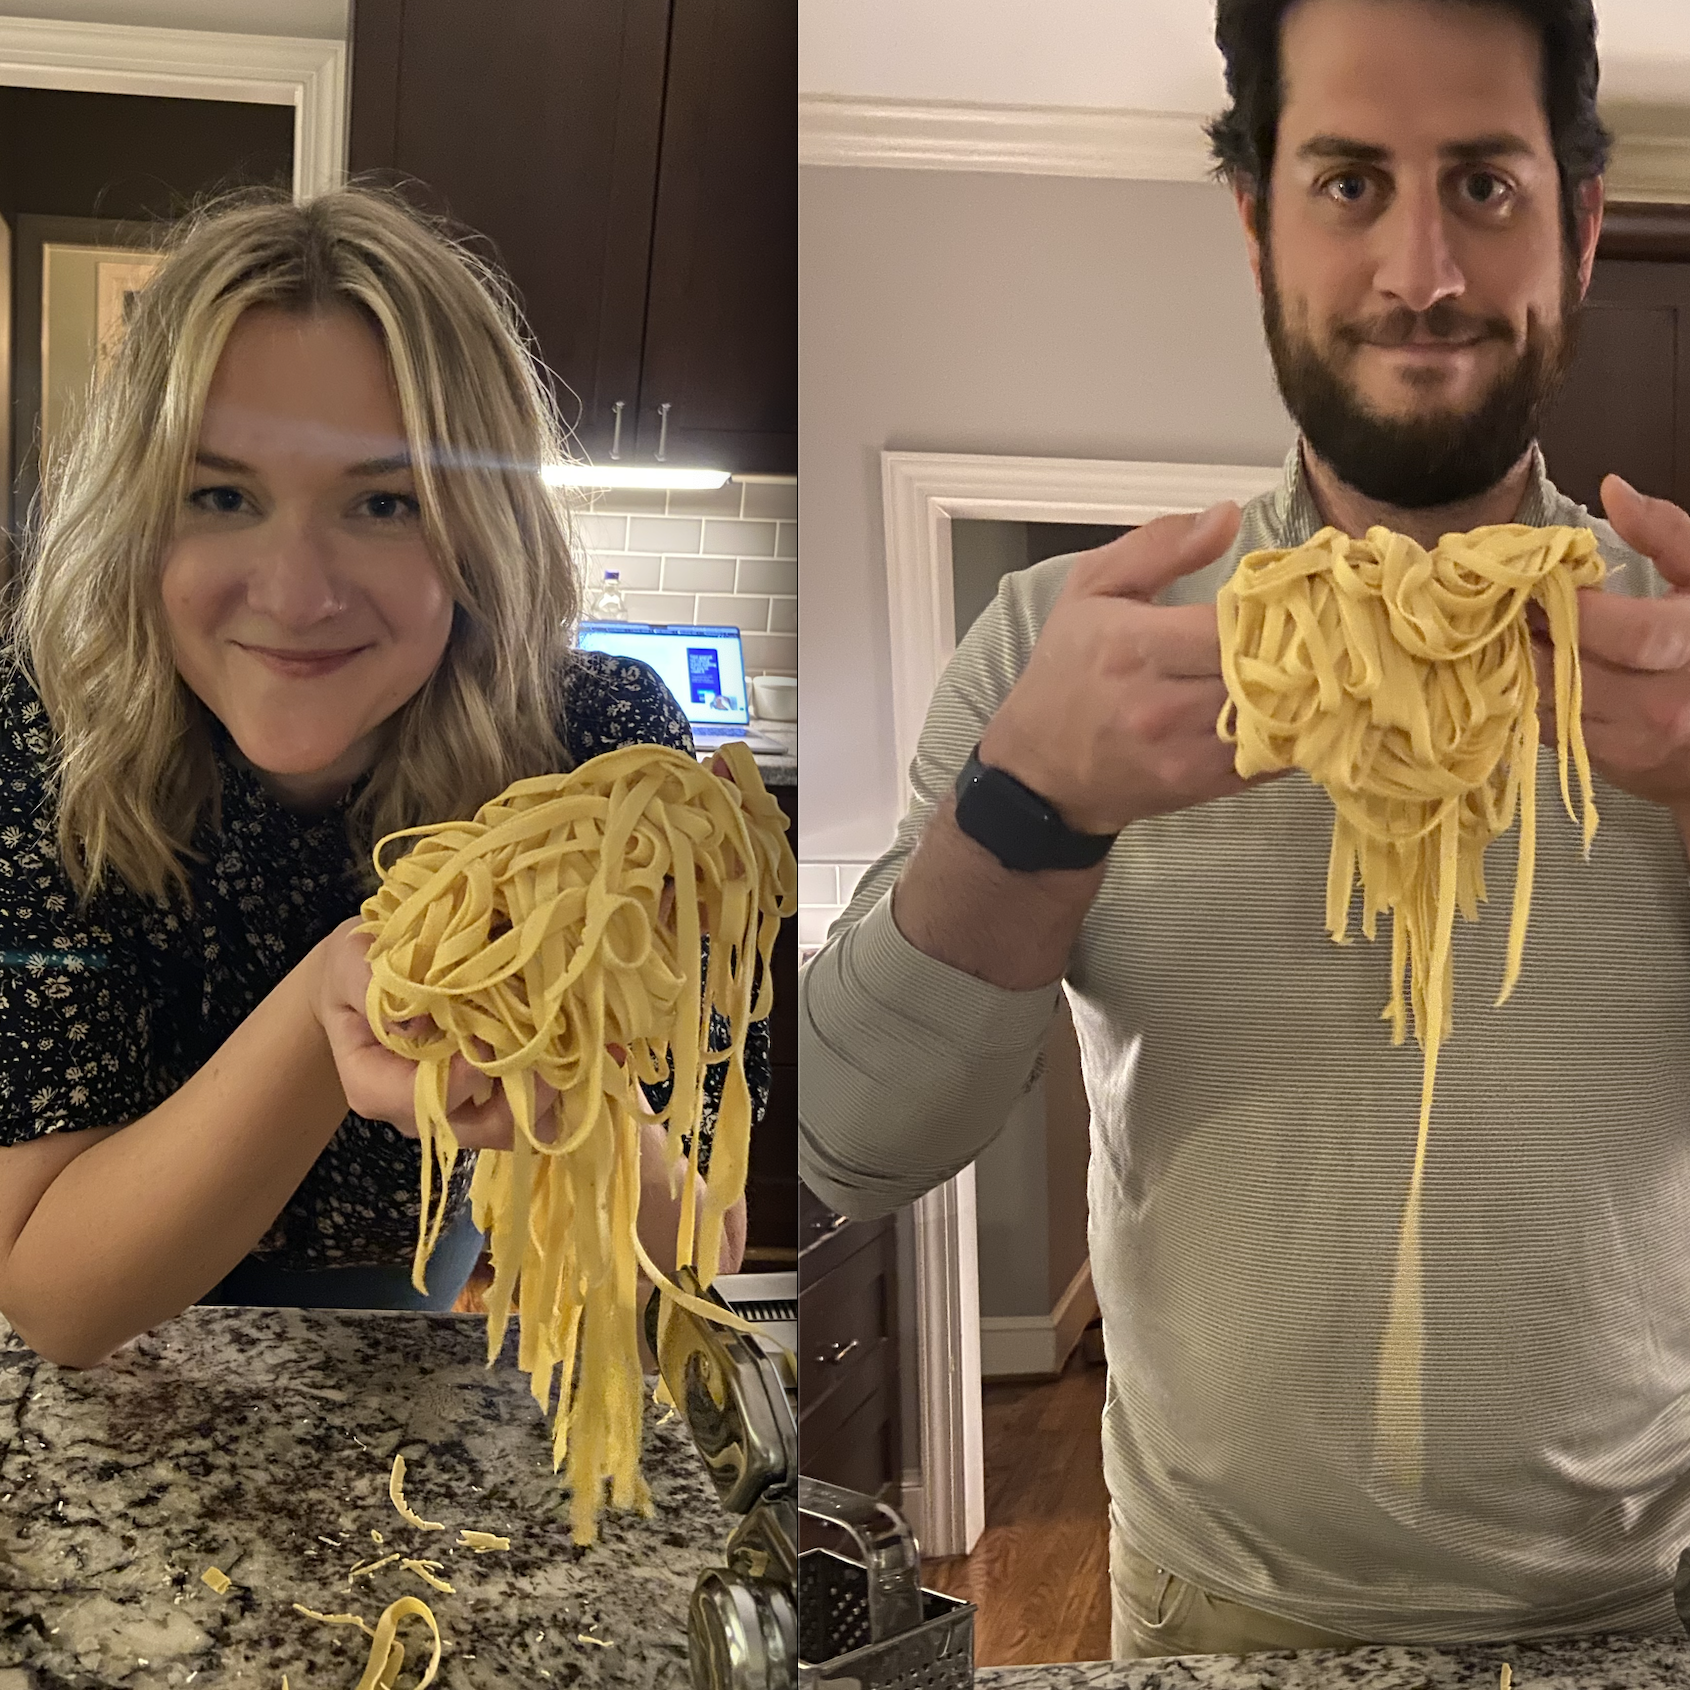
(1445, 323)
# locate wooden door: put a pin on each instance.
(1626, 405)
(721, 346)
(535, 123)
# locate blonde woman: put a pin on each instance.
(296, 583)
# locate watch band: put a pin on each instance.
(1017, 826)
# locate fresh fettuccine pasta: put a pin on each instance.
(541, 930)
(1402, 682)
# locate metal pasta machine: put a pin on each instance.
(738, 1402)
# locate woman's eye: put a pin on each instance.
(387, 507)
(226, 501)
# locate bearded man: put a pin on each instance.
(1420, 183)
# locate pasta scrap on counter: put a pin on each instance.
(396, 1492)
(217, 1579)
(540, 930)
(1403, 682)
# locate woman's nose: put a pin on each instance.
(292, 578)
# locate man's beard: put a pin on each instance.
(1431, 457)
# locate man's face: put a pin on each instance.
(1417, 293)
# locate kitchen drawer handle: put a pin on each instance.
(616, 433)
(833, 1224)
(836, 1353)
(662, 431)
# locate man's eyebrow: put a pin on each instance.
(390, 465)
(1503, 144)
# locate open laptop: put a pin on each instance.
(704, 667)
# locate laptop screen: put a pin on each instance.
(703, 667)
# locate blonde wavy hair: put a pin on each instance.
(133, 770)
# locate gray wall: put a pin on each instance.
(952, 312)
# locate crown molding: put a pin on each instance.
(1020, 140)
(303, 72)
(1651, 162)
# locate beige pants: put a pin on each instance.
(1155, 1612)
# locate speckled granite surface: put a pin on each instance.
(243, 1438)
(1590, 1663)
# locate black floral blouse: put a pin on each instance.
(104, 1013)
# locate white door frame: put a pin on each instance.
(274, 70)
(922, 493)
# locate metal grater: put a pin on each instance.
(871, 1626)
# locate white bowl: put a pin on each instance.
(775, 697)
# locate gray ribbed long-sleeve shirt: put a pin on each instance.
(1252, 1135)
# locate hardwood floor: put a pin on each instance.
(1040, 1572)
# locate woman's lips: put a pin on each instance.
(302, 664)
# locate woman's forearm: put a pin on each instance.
(144, 1222)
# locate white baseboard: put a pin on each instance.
(1037, 1346)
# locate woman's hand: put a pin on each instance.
(660, 1213)
(380, 1084)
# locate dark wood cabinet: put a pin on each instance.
(721, 342)
(850, 1417)
(1626, 406)
(632, 165)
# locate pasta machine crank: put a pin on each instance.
(742, 1624)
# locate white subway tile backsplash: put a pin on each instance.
(740, 539)
(698, 574)
(772, 653)
(600, 533)
(767, 575)
(749, 614)
(727, 554)
(639, 572)
(771, 499)
(849, 874)
(660, 607)
(664, 533)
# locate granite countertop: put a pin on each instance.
(778, 768)
(245, 1438)
(1585, 1663)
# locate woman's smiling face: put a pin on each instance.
(303, 604)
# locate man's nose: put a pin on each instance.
(293, 579)
(1416, 262)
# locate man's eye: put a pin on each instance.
(1483, 188)
(1347, 189)
(224, 500)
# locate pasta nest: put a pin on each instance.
(541, 931)
(1403, 682)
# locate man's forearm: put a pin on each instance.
(956, 903)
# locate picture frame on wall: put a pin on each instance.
(75, 279)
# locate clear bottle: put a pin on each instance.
(607, 602)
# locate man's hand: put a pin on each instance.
(1635, 655)
(380, 1084)
(1113, 719)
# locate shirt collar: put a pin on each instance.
(1300, 520)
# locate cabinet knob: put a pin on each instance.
(662, 431)
(836, 1353)
(616, 432)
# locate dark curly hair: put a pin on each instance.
(1248, 35)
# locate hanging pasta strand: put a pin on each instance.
(1402, 682)
(540, 931)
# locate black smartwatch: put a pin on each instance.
(1017, 826)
